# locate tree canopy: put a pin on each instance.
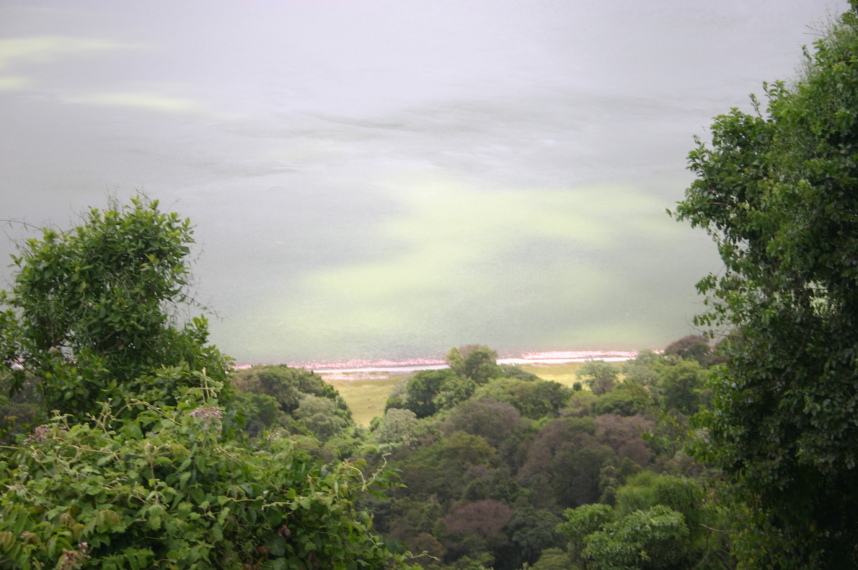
(93, 313)
(475, 361)
(166, 490)
(776, 190)
(136, 467)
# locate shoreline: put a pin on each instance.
(415, 365)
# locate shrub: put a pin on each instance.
(165, 489)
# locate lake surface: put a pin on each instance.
(388, 179)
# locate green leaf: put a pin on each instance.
(276, 546)
(155, 522)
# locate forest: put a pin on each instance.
(483, 466)
(130, 441)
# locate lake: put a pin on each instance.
(387, 179)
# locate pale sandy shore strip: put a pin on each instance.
(367, 368)
(392, 367)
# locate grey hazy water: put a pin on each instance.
(387, 179)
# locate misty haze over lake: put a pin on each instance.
(388, 179)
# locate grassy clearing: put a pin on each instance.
(561, 373)
(365, 393)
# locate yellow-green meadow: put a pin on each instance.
(366, 392)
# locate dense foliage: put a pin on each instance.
(777, 192)
(92, 315)
(165, 490)
(151, 455)
(298, 404)
(141, 464)
(491, 473)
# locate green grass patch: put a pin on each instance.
(560, 373)
(365, 393)
(566, 373)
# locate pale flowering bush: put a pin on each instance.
(207, 413)
(42, 433)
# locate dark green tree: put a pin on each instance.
(627, 399)
(288, 386)
(261, 412)
(397, 426)
(680, 386)
(471, 529)
(581, 523)
(531, 531)
(475, 361)
(430, 391)
(778, 192)
(563, 463)
(645, 540)
(691, 347)
(533, 399)
(497, 422)
(599, 375)
(438, 469)
(554, 559)
(93, 313)
(320, 417)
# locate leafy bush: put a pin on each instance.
(532, 399)
(140, 467)
(532, 531)
(91, 315)
(496, 422)
(680, 387)
(288, 386)
(21, 412)
(624, 400)
(775, 190)
(430, 391)
(474, 361)
(643, 539)
(396, 427)
(599, 375)
(165, 489)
